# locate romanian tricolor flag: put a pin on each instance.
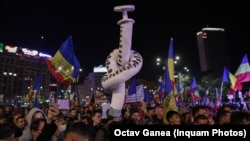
(243, 72)
(194, 90)
(161, 90)
(227, 76)
(64, 65)
(170, 89)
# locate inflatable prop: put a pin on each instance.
(122, 63)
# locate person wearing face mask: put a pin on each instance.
(61, 128)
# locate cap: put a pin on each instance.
(7, 131)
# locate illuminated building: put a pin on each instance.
(18, 70)
(213, 51)
(92, 84)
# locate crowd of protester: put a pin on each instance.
(91, 122)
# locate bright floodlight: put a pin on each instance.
(158, 59)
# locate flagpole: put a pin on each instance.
(221, 89)
(193, 99)
(182, 97)
(76, 89)
(34, 96)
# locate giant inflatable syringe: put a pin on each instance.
(122, 63)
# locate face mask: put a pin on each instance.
(62, 128)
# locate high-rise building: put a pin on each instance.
(18, 70)
(92, 84)
(213, 50)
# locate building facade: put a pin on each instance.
(18, 70)
(92, 86)
(213, 49)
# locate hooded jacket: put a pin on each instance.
(27, 136)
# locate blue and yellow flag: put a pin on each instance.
(64, 65)
(170, 89)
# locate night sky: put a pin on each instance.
(93, 27)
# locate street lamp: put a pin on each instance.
(158, 61)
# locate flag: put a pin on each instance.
(179, 93)
(37, 84)
(178, 88)
(36, 103)
(207, 91)
(218, 97)
(179, 97)
(161, 90)
(169, 71)
(16, 103)
(243, 72)
(193, 90)
(196, 95)
(228, 77)
(169, 100)
(36, 87)
(132, 87)
(147, 96)
(72, 97)
(246, 94)
(64, 65)
(205, 97)
(138, 96)
(168, 87)
(193, 84)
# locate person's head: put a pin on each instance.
(201, 120)
(37, 115)
(34, 113)
(78, 132)
(186, 118)
(61, 124)
(91, 107)
(72, 112)
(223, 117)
(15, 116)
(240, 118)
(9, 133)
(199, 110)
(96, 117)
(3, 120)
(227, 107)
(134, 115)
(159, 111)
(150, 111)
(20, 122)
(8, 109)
(173, 117)
(36, 127)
